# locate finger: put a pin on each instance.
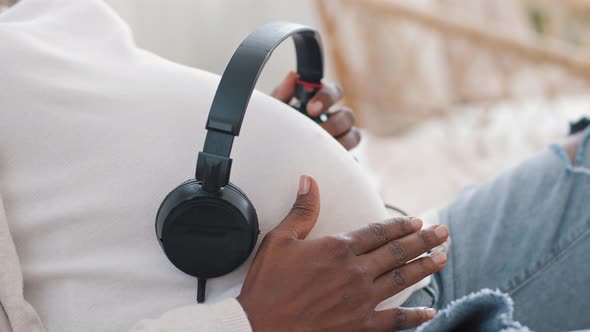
(329, 95)
(351, 139)
(391, 283)
(373, 236)
(286, 89)
(339, 122)
(445, 247)
(304, 213)
(396, 253)
(402, 318)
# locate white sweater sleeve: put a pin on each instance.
(226, 316)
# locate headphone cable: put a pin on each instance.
(391, 207)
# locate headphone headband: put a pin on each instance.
(236, 87)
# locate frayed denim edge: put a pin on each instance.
(502, 300)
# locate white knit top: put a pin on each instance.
(94, 132)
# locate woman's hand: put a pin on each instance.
(340, 123)
(334, 283)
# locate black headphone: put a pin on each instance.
(206, 226)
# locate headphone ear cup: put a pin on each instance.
(207, 235)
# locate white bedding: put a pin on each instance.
(427, 166)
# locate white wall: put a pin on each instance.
(205, 33)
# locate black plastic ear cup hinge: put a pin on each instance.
(221, 126)
(213, 171)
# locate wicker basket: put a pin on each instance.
(401, 61)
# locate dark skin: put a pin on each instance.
(571, 145)
(334, 283)
(340, 122)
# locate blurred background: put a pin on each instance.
(449, 92)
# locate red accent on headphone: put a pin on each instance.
(309, 86)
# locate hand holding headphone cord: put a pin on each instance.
(304, 92)
(206, 226)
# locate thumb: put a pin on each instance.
(304, 213)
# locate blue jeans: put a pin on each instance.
(526, 233)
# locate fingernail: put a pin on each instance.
(304, 184)
(315, 107)
(439, 258)
(430, 313)
(441, 231)
(416, 223)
